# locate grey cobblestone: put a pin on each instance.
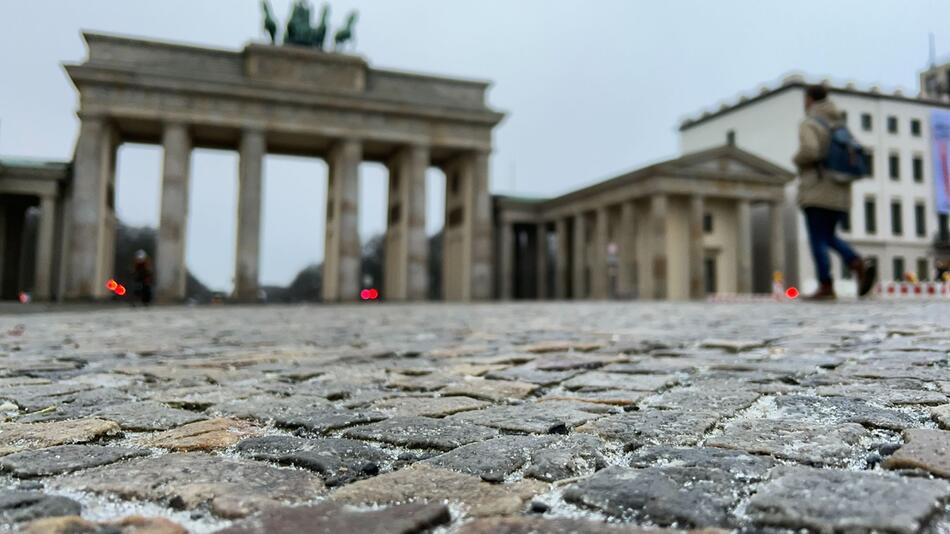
(485, 418)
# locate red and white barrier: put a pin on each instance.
(912, 290)
(883, 290)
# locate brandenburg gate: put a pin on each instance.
(282, 100)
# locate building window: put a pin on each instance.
(915, 127)
(870, 217)
(866, 123)
(944, 227)
(920, 219)
(846, 222)
(731, 138)
(894, 166)
(898, 268)
(707, 223)
(844, 117)
(923, 269)
(892, 124)
(871, 163)
(897, 225)
(918, 169)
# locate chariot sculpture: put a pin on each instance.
(300, 32)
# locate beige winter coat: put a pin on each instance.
(813, 140)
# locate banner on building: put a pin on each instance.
(940, 139)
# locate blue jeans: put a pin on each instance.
(821, 224)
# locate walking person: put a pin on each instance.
(142, 271)
(828, 160)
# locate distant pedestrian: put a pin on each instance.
(942, 269)
(828, 160)
(142, 272)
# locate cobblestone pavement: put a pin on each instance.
(508, 418)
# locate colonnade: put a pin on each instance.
(467, 262)
(643, 244)
(16, 272)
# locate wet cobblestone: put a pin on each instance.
(586, 417)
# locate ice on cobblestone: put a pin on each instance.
(422, 432)
(796, 440)
(845, 501)
(580, 417)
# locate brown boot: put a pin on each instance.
(826, 291)
(865, 274)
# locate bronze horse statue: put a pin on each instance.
(270, 23)
(347, 32)
(319, 36)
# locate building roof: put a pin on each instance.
(716, 162)
(522, 199)
(33, 163)
(91, 35)
(797, 81)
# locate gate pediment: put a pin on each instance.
(726, 162)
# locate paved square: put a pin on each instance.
(492, 418)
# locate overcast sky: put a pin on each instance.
(591, 87)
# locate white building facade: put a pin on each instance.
(893, 219)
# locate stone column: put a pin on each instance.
(658, 265)
(418, 243)
(481, 282)
(744, 246)
(395, 249)
(407, 248)
(14, 241)
(506, 244)
(44, 248)
(341, 264)
(60, 256)
(170, 272)
(467, 272)
(627, 242)
(697, 281)
(777, 237)
(579, 264)
(561, 271)
(250, 191)
(542, 262)
(86, 270)
(456, 242)
(599, 257)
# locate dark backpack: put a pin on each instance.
(846, 160)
